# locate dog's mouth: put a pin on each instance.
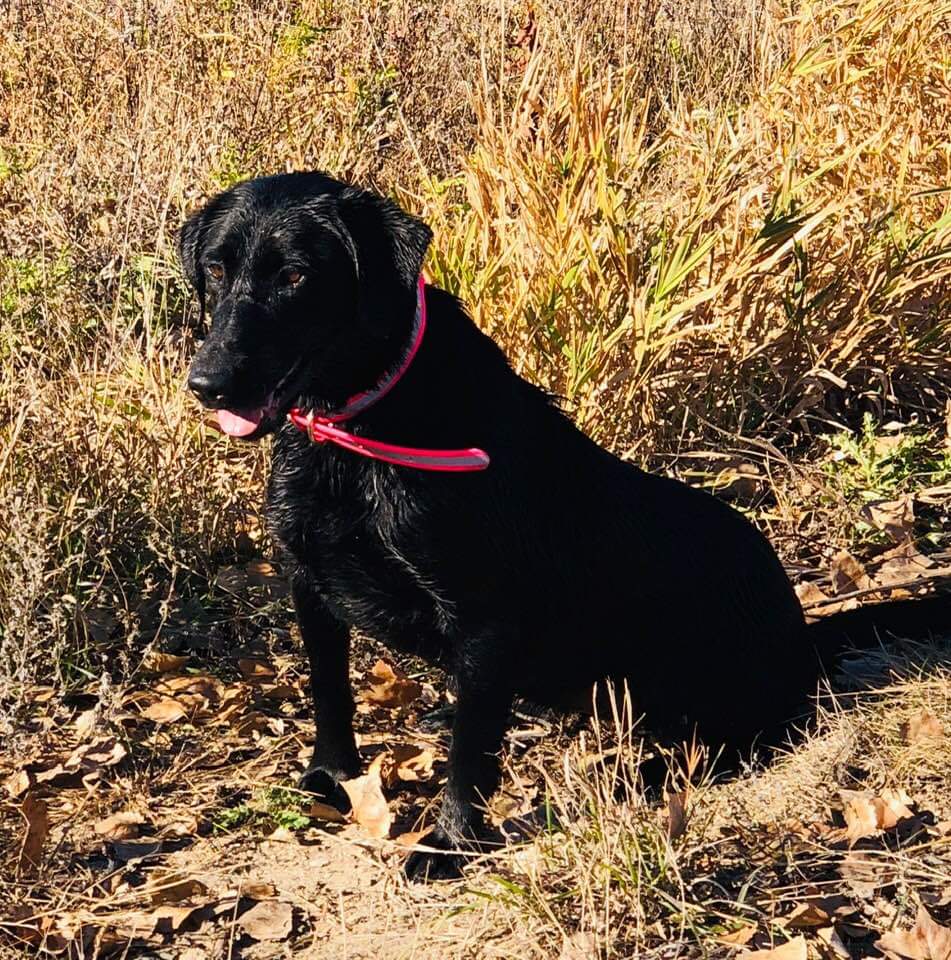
(251, 422)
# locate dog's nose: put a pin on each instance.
(209, 386)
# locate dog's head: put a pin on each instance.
(310, 286)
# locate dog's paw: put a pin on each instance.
(326, 785)
(442, 863)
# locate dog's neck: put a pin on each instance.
(329, 427)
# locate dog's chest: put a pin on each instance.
(353, 530)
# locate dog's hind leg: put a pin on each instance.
(327, 641)
(482, 714)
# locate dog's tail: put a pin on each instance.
(871, 625)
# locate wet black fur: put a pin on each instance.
(558, 566)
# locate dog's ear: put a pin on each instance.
(191, 243)
(389, 246)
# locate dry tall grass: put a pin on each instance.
(682, 217)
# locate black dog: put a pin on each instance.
(556, 566)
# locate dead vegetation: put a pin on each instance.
(721, 232)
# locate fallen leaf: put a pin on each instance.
(201, 685)
(18, 783)
(408, 762)
(866, 815)
(102, 753)
(158, 662)
(256, 573)
(148, 926)
(175, 887)
(903, 564)
(926, 940)
(84, 764)
(254, 669)
(830, 937)
(739, 937)
(847, 574)
(279, 691)
(389, 686)
(260, 573)
(256, 890)
(922, 726)
(165, 710)
(412, 837)
(511, 803)
(792, 950)
(282, 835)
(169, 919)
(810, 594)
(183, 828)
(34, 812)
(895, 518)
(676, 814)
(370, 809)
(126, 852)
(268, 920)
(806, 916)
(324, 811)
(865, 874)
(120, 826)
(86, 723)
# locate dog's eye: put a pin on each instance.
(292, 277)
(215, 270)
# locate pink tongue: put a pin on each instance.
(239, 424)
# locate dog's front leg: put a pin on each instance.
(483, 704)
(327, 642)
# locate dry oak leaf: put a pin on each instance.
(165, 710)
(92, 756)
(412, 837)
(256, 890)
(806, 916)
(792, 950)
(191, 685)
(254, 669)
(174, 887)
(847, 574)
(324, 811)
(256, 573)
(676, 814)
(922, 726)
(408, 762)
(268, 920)
(85, 723)
(34, 811)
(832, 939)
(120, 826)
(389, 686)
(126, 851)
(159, 662)
(866, 815)
(140, 925)
(810, 594)
(902, 564)
(370, 809)
(18, 783)
(926, 940)
(740, 937)
(895, 518)
(86, 761)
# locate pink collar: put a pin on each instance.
(322, 428)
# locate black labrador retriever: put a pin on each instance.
(427, 495)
